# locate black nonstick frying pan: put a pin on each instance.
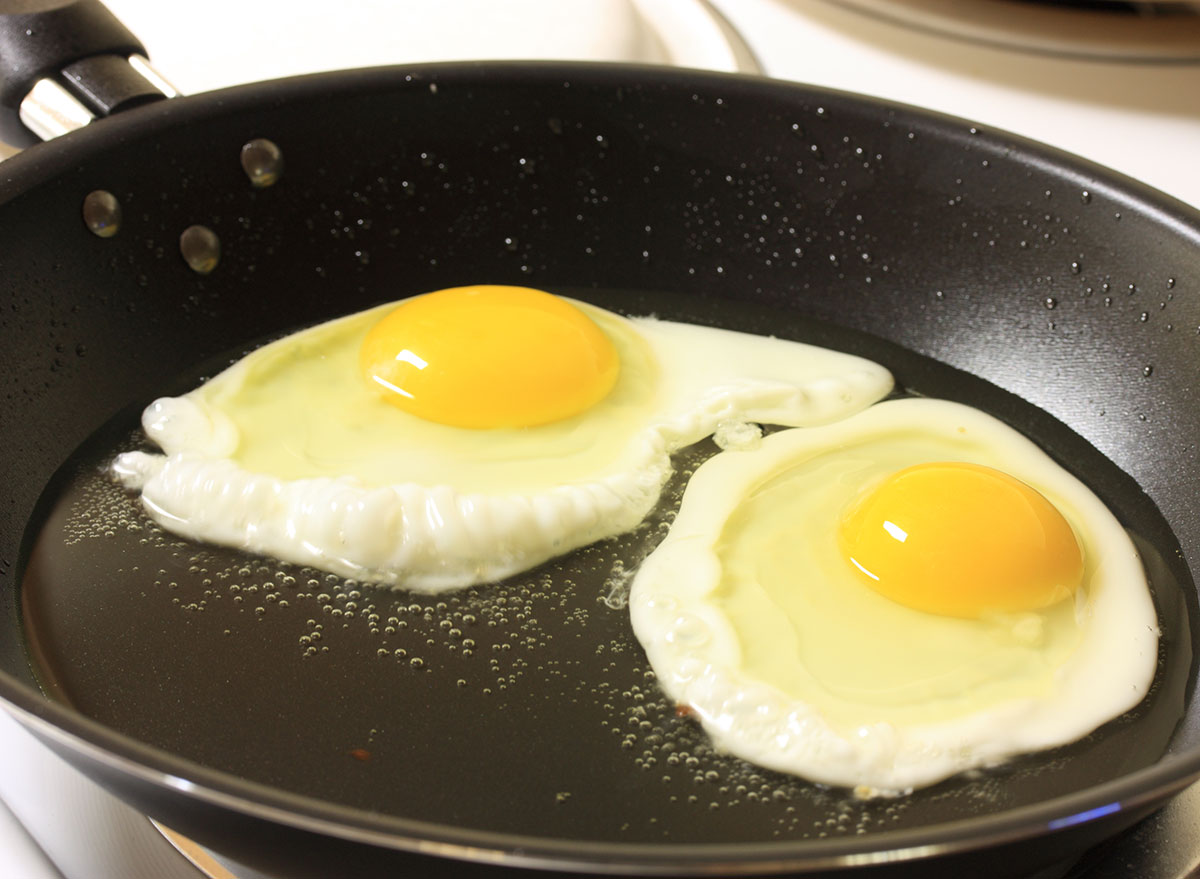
(309, 726)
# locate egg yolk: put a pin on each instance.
(489, 357)
(961, 540)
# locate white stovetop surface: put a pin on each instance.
(1140, 119)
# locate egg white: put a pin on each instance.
(288, 453)
(750, 616)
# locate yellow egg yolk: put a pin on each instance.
(961, 540)
(489, 357)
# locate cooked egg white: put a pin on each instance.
(465, 435)
(835, 603)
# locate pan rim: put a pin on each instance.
(64, 725)
(167, 772)
(46, 160)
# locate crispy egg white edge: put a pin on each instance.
(436, 538)
(695, 652)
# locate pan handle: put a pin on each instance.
(64, 63)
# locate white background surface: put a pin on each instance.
(1140, 119)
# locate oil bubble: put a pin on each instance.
(102, 213)
(201, 248)
(262, 161)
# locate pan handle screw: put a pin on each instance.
(102, 213)
(201, 248)
(262, 161)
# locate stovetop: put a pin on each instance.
(1124, 100)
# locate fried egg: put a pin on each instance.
(465, 435)
(885, 601)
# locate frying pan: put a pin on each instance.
(314, 727)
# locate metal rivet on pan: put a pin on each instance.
(102, 213)
(262, 161)
(201, 248)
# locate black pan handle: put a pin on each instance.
(64, 63)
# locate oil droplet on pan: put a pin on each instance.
(201, 248)
(102, 213)
(262, 161)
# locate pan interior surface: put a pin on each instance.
(407, 704)
(972, 268)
